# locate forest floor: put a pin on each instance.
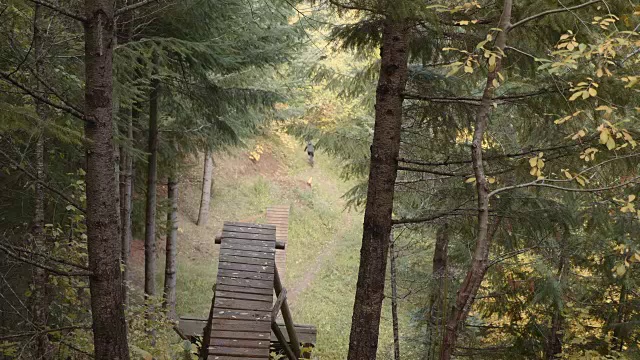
(324, 237)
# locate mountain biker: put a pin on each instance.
(310, 151)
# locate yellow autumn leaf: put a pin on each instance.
(575, 95)
(533, 161)
(604, 136)
(470, 180)
(593, 92)
(611, 144)
(620, 270)
(631, 198)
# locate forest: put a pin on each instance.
(473, 193)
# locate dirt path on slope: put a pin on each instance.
(326, 254)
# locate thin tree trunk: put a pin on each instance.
(363, 341)
(152, 179)
(618, 332)
(169, 302)
(126, 203)
(473, 279)
(437, 309)
(554, 343)
(40, 298)
(104, 247)
(203, 214)
(394, 298)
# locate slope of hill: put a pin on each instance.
(324, 238)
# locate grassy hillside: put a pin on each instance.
(324, 238)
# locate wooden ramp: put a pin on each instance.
(242, 320)
(278, 215)
(241, 314)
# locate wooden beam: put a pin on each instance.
(286, 316)
(285, 345)
(278, 304)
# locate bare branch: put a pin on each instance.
(131, 7)
(45, 267)
(540, 183)
(63, 262)
(35, 178)
(475, 101)
(32, 333)
(62, 11)
(548, 12)
(38, 97)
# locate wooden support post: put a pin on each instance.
(276, 307)
(285, 345)
(286, 316)
(206, 334)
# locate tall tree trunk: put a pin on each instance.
(126, 204)
(170, 271)
(437, 309)
(104, 247)
(363, 341)
(40, 298)
(475, 274)
(203, 214)
(394, 298)
(152, 179)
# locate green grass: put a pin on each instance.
(324, 239)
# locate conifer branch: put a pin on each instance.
(549, 12)
(45, 185)
(60, 10)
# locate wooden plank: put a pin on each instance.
(235, 304)
(192, 327)
(305, 335)
(238, 342)
(244, 290)
(251, 254)
(241, 325)
(250, 225)
(240, 335)
(257, 243)
(260, 284)
(246, 267)
(243, 296)
(245, 274)
(238, 235)
(232, 246)
(242, 315)
(249, 230)
(245, 260)
(241, 352)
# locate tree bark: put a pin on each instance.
(363, 341)
(473, 279)
(104, 247)
(437, 310)
(207, 180)
(152, 179)
(170, 272)
(394, 298)
(40, 298)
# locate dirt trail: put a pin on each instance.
(326, 254)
